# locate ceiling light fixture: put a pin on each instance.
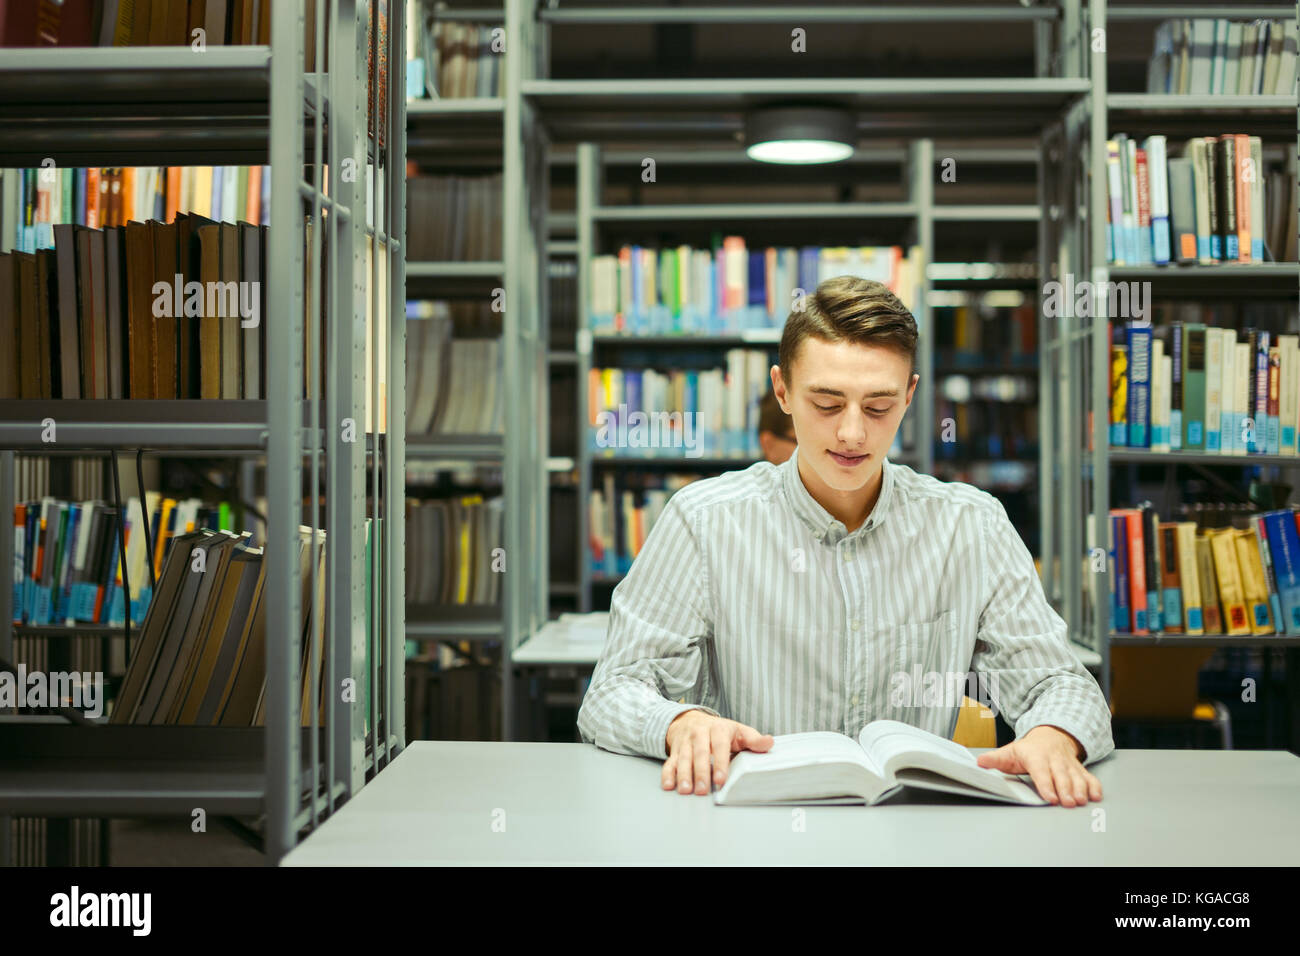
(803, 135)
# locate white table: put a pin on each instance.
(452, 802)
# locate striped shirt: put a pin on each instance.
(750, 601)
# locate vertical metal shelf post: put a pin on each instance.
(921, 192)
(1095, 215)
(590, 176)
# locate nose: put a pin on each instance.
(852, 429)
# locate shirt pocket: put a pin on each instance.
(908, 688)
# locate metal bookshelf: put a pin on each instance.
(1077, 480)
(497, 133)
(254, 104)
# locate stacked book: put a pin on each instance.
(134, 22)
(1212, 204)
(1172, 577)
(729, 288)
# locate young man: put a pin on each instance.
(790, 598)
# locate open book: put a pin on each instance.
(825, 767)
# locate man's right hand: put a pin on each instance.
(693, 738)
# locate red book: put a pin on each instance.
(1137, 574)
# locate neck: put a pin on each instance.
(850, 507)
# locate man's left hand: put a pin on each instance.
(1051, 758)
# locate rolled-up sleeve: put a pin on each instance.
(660, 620)
(1022, 653)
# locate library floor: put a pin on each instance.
(172, 843)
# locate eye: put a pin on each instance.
(826, 408)
(878, 411)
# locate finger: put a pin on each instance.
(722, 740)
(1094, 787)
(668, 776)
(700, 745)
(1003, 758)
(747, 738)
(1040, 772)
(685, 780)
(1062, 782)
(1079, 784)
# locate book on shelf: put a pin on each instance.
(68, 567)
(1176, 577)
(1229, 392)
(81, 23)
(35, 200)
(453, 218)
(201, 656)
(145, 310)
(449, 59)
(1223, 57)
(620, 518)
(453, 385)
(1215, 203)
(822, 767)
(698, 412)
(453, 551)
(730, 288)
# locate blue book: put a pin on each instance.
(1139, 386)
(757, 278)
(1284, 548)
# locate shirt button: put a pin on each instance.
(854, 624)
(848, 556)
(854, 700)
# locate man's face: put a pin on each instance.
(847, 401)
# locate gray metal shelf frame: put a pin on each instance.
(1073, 241)
(500, 132)
(253, 104)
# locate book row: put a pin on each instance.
(1231, 57)
(447, 59)
(67, 556)
(1214, 203)
(1207, 389)
(652, 291)
(453, 217)
(620, 519)
(1172, 577)
(201, 655)
(133, 22)
(978, 335)
(709, 412)
(453, 385)
(113, 196)
(103, 315)
(454, 551)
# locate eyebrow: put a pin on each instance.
(878, 393)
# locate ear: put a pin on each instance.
(911, 389)
(779, 389)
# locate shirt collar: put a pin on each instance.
(820, 521)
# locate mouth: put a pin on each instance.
(848, 461)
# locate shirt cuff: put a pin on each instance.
(655, 743)
(1094, 747)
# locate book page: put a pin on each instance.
(885, 740)
(800, 750)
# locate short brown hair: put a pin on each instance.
(849, 309)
